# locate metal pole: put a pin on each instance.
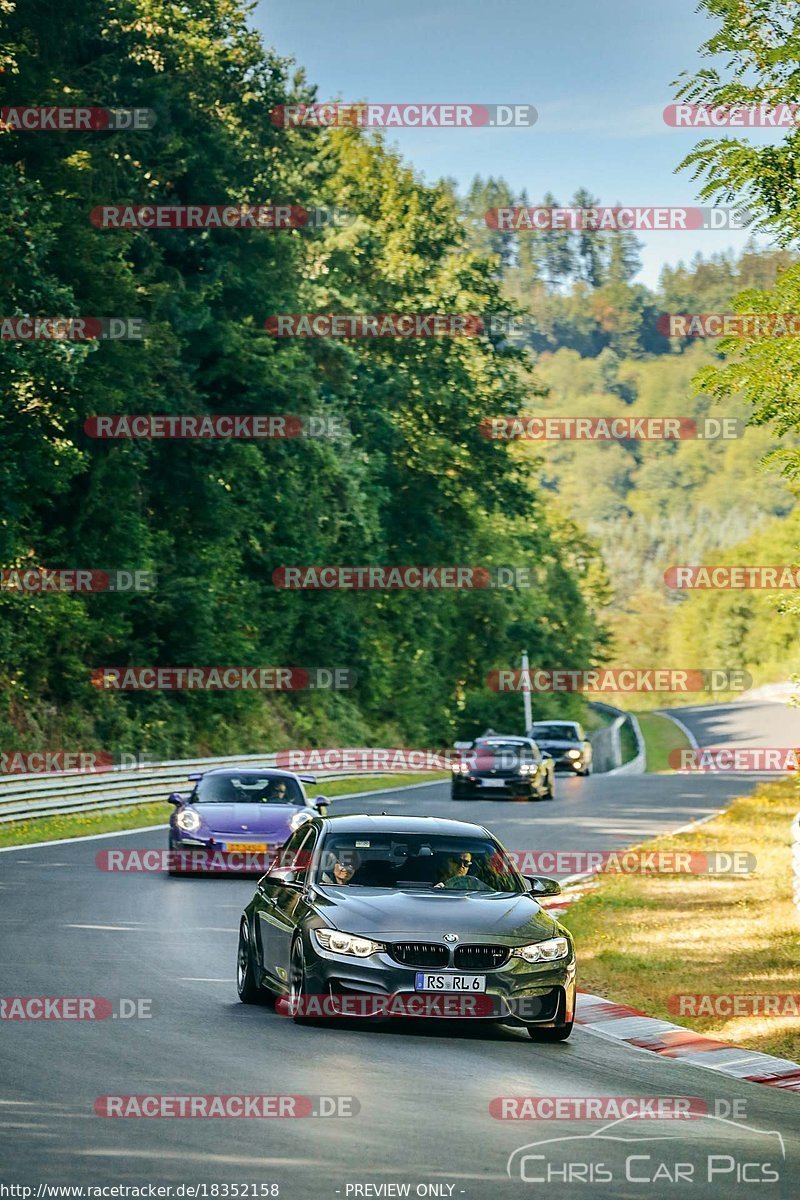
(526, 691)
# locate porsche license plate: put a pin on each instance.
(247, 847)
(424, 982)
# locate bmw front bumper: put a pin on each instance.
(519, 992)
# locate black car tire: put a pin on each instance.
(587, 770)
(558, 1033)
(250, 991)
(550, 794)
(297, 982)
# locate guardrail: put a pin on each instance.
(607, 743)
(796, 860)
(23, 797)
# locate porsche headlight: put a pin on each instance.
(349, 944)
(548, 951)
(188, 820)
(299, 818)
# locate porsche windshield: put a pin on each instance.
(404, 861)
(253, 787)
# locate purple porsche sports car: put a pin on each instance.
(248, 811)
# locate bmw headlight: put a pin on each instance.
(299, 818)
(549, 951)
(573, 754)
(188, 820)
(346, 943)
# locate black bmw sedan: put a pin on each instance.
(407, 916)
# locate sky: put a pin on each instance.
(598, 74)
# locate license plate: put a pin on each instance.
(493, 783)
(247, 847)
(424, 982)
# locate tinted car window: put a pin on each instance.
(248, 788)
(418, 861)
(561, 732)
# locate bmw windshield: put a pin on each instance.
(426, 861)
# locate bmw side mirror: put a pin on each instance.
(540, 885)
(546, 754)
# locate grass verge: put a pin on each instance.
(661, 736)
(642, 940)
(45, 829)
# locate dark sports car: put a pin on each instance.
(240, 811)
(503, 765)
(566, 742)
(363, 916)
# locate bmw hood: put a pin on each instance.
(378, 912)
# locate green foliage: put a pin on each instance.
(412, 481)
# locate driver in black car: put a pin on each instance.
(341, 870)
(459, 878)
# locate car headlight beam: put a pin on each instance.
(573, 754)
(548, 951)
(351, 945)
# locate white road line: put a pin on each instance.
(115, 928)
(88, 837)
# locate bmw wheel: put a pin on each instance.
(250, 991)
(297, 983)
